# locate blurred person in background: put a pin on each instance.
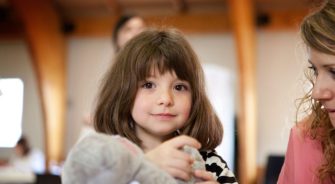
(26, 158)
(125, 29)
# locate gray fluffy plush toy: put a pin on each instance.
(105, 159)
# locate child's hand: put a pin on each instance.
(169, 156)
(205, 176)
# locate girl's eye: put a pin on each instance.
(148, 85)
(181, 87)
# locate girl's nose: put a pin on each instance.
(321, 90)
(165, 97)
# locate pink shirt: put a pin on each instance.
(302, 159)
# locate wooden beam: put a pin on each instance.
(47, 45)
(115, 6)
(193, 23)
(242, 16)
(11, 30)
(198, 23)
(202, 23)
(279, 20)
(180, 5)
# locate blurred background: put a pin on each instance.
(58, 51)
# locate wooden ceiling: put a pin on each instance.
(97, 17)
(169, 7)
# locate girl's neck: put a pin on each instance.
(150, 141)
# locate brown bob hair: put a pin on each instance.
(167, 50)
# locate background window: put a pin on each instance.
(11, 105)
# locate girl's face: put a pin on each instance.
(162, 105)
(324, 84)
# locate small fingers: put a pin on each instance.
(204, 176)
(177, 163)
(178, 154)
(207, 182)
(181, 161)
(180, 141)
(180, 173)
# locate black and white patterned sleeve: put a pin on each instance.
(216, 165)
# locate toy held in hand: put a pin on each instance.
(101, 158)
(198, 164)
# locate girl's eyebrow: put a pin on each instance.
(184, 81)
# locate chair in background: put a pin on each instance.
(48, 179)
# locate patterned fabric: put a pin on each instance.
(216, 165)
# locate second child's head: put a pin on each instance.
(126, 28)
(22, 147)
(155, 88)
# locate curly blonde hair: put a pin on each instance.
(317, 31)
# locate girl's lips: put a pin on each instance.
(164, 116)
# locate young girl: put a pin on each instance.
(310, 156)
(154, 95)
